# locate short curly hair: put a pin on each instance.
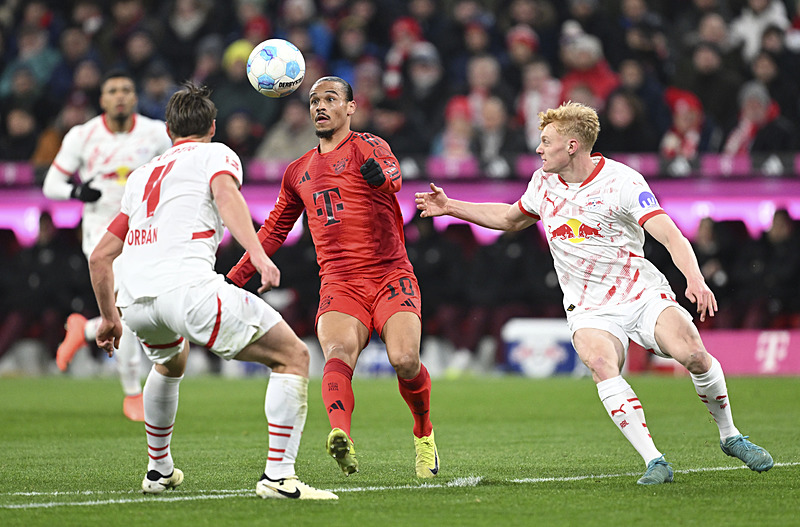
(573, 119)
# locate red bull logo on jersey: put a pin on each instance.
(575, 231)
(120, 175)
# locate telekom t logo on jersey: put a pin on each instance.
(331, 202)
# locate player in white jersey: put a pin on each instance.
(166, 236)
(594, 211)
(103, 151)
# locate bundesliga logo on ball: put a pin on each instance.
(276, 68)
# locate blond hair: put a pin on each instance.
(573, 119)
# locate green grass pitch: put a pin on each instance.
(513, 451)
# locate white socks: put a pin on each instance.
(90, 329)
(286, 407)
(713, 392)
(160, 406)
(625, 410)
(128, 358)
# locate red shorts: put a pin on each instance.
(372, 301)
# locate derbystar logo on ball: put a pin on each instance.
(276, 68)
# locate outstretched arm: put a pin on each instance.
(500, 216)
(236, 217)
(102, 273)
(663, 229)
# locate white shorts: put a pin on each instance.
(636, 320)
(214, 314)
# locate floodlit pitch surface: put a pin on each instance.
(513, 452)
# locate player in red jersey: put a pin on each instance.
(347, 185)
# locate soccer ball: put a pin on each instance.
(276, 68)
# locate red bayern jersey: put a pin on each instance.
(357, 229)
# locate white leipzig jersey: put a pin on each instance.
(595, 233)
(106, 159)
(174, 227)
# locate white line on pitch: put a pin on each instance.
(606, 476)
(470, 481)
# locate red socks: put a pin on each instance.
(337, 393)
(417, 394)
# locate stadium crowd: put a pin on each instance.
(458, 79)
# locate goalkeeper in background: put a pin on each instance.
(347, 184)
(103, 151)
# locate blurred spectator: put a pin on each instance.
(378, 17)
(496, 143)
(593, 20)
(462, 13)
(33, 53)
(715, 30)
(19, 135)
(240, 132)
(391, 123)
(453, 142)
(691, 133)
(208, 62)
(773, 40)
(30, 95)
(636, 79)
(127, 16)
(350, 47)
(441, 269)
(185, 24)
(298, 296)
(368, 85)
(761, 127)
(625, 127)
(139, 55)
(522, 45)
(40, 14)
(235, 92)
(684, 28)
(88, 77)
(584, 64)
(155, 91)
(584, 94)
(483, 81)
(291, 136)
(645, 38)
(479, 41)
(76, 111)
(767, 274)
(754, 18)
(43, 289)
(540, 91)
(87, 15)
(427, 90)
(715, 255)
(304, 13)
(257, 29)
(76, 45)
(713, 83)
(511, 259)
(766, 70)
(540, 16)
(435, 25)
(405, 34)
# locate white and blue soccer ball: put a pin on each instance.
(276, 68)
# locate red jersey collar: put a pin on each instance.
(133, 125)
(597, 169)
(184, 141)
